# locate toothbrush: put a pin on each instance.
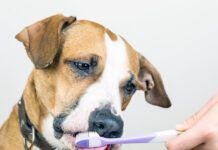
(92, 139)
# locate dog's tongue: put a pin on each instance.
(99, 148)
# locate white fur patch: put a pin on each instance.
(105, 90)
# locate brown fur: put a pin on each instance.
(10, 137)
(111, 35)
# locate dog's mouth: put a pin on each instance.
(74, 134)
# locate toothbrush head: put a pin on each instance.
(89, 140)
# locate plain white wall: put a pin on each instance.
(179, 37)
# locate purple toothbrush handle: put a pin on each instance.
(146, 139)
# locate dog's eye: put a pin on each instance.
(130, 88)
(82, 66)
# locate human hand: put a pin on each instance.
(201, 130)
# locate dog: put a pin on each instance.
(83, 78)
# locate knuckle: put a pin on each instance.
(193, 119)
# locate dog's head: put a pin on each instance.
(84, 77)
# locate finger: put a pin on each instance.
(197, 116)
(207, 146)
(187, 140)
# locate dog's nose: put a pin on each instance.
(105, 123)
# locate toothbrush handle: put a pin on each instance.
(143, 139)
(165, 136)
(151, 138)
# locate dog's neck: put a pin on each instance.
(34, 108)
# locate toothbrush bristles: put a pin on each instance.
(93, 134)
(86, 135)
(86, 140)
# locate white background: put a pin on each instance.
(180, 37)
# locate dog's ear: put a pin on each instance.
(150, 79)
(42, 40)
